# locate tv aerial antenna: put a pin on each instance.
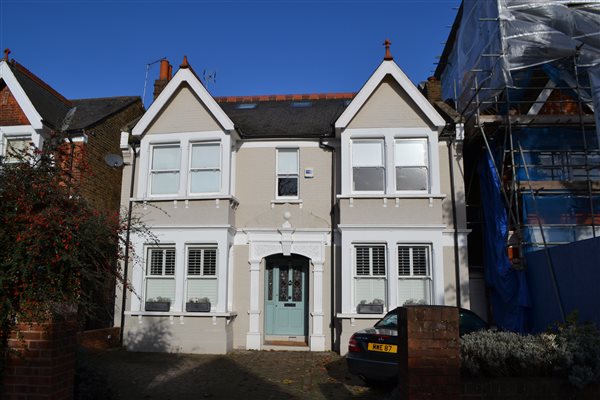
(146, 78)
(209, 76)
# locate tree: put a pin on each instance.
(55, 248)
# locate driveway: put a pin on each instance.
(239, 375)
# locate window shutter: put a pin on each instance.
(210, 262)
(404, 261)
(170, 262)
(362, 261)
(194, 261)
(419, 261)
(156, 262)
(378, 260)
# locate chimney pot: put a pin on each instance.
(164, 70)
(170, 71)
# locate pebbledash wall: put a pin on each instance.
(220, 238)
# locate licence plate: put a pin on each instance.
(385, 348)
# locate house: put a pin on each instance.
(524, 91)
(300, 218)
(30, 110)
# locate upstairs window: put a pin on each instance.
(164, 171)
(205, 168)
(412, 165)
(160, 275)
(370, 274)
(414, 275)
(368, 166)
(287, 173)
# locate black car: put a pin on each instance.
(372, 352)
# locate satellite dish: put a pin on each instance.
(113, 160)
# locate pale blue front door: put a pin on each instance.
(285, 296)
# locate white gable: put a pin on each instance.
(389, 68)
(184, 75)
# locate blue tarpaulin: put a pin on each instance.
(509, 296)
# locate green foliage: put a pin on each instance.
(573, 352)
(55, 247)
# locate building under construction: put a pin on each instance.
(524, 79)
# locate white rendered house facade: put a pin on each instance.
(288, 214)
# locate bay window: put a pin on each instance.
(164, 170)
(205, 168)
(160, 275)
(370, 274)
(414, 274)
(411, 162)
(287, 173)
(368, 166)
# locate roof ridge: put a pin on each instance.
(286, 97)
(104, 98)
(41, 83)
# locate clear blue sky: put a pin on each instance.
(98, 48)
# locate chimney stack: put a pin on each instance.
(433, 89)
(163, 78)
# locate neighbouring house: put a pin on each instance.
(525, 90)
(30, 110)
(288, 221)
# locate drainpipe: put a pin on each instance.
(127, 237)
(326, 147)
(454, 223)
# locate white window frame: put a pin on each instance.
(278, 175)
(202, 275)
(190, 169)
(151, 172)
(6, 139)
(427, 166)
(357, 277)
(428, 277)
(163, 276)
(379, 140)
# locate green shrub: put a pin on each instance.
(573, 352)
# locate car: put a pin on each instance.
(372, 352)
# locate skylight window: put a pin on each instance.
(246, 106)
(301, 104)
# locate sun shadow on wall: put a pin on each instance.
(151, 335)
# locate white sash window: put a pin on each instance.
(414, 275)
(370, 274)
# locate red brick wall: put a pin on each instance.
(429, 352)
(42, 363)
(102, 184)
(10, 111)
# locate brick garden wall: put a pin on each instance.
(41, 364)
(429, 352)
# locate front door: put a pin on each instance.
(285, 296)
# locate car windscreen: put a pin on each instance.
(389, 321)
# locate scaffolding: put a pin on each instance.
(524, 76)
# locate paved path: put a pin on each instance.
(240, 375)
